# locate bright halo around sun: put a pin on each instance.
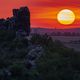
(66, 17)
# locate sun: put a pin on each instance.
(66, 16)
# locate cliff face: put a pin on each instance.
(19, 21)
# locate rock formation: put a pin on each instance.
(20, 21)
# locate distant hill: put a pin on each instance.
(48, 31)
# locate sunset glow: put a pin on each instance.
(43, 12)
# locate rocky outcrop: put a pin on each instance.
(35, 52)
(20, 21)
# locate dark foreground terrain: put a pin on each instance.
(39, 58)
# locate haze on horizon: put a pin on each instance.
(43, 12)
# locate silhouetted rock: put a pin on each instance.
(22, 19)
(19, 21)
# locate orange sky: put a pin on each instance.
(43, 12)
